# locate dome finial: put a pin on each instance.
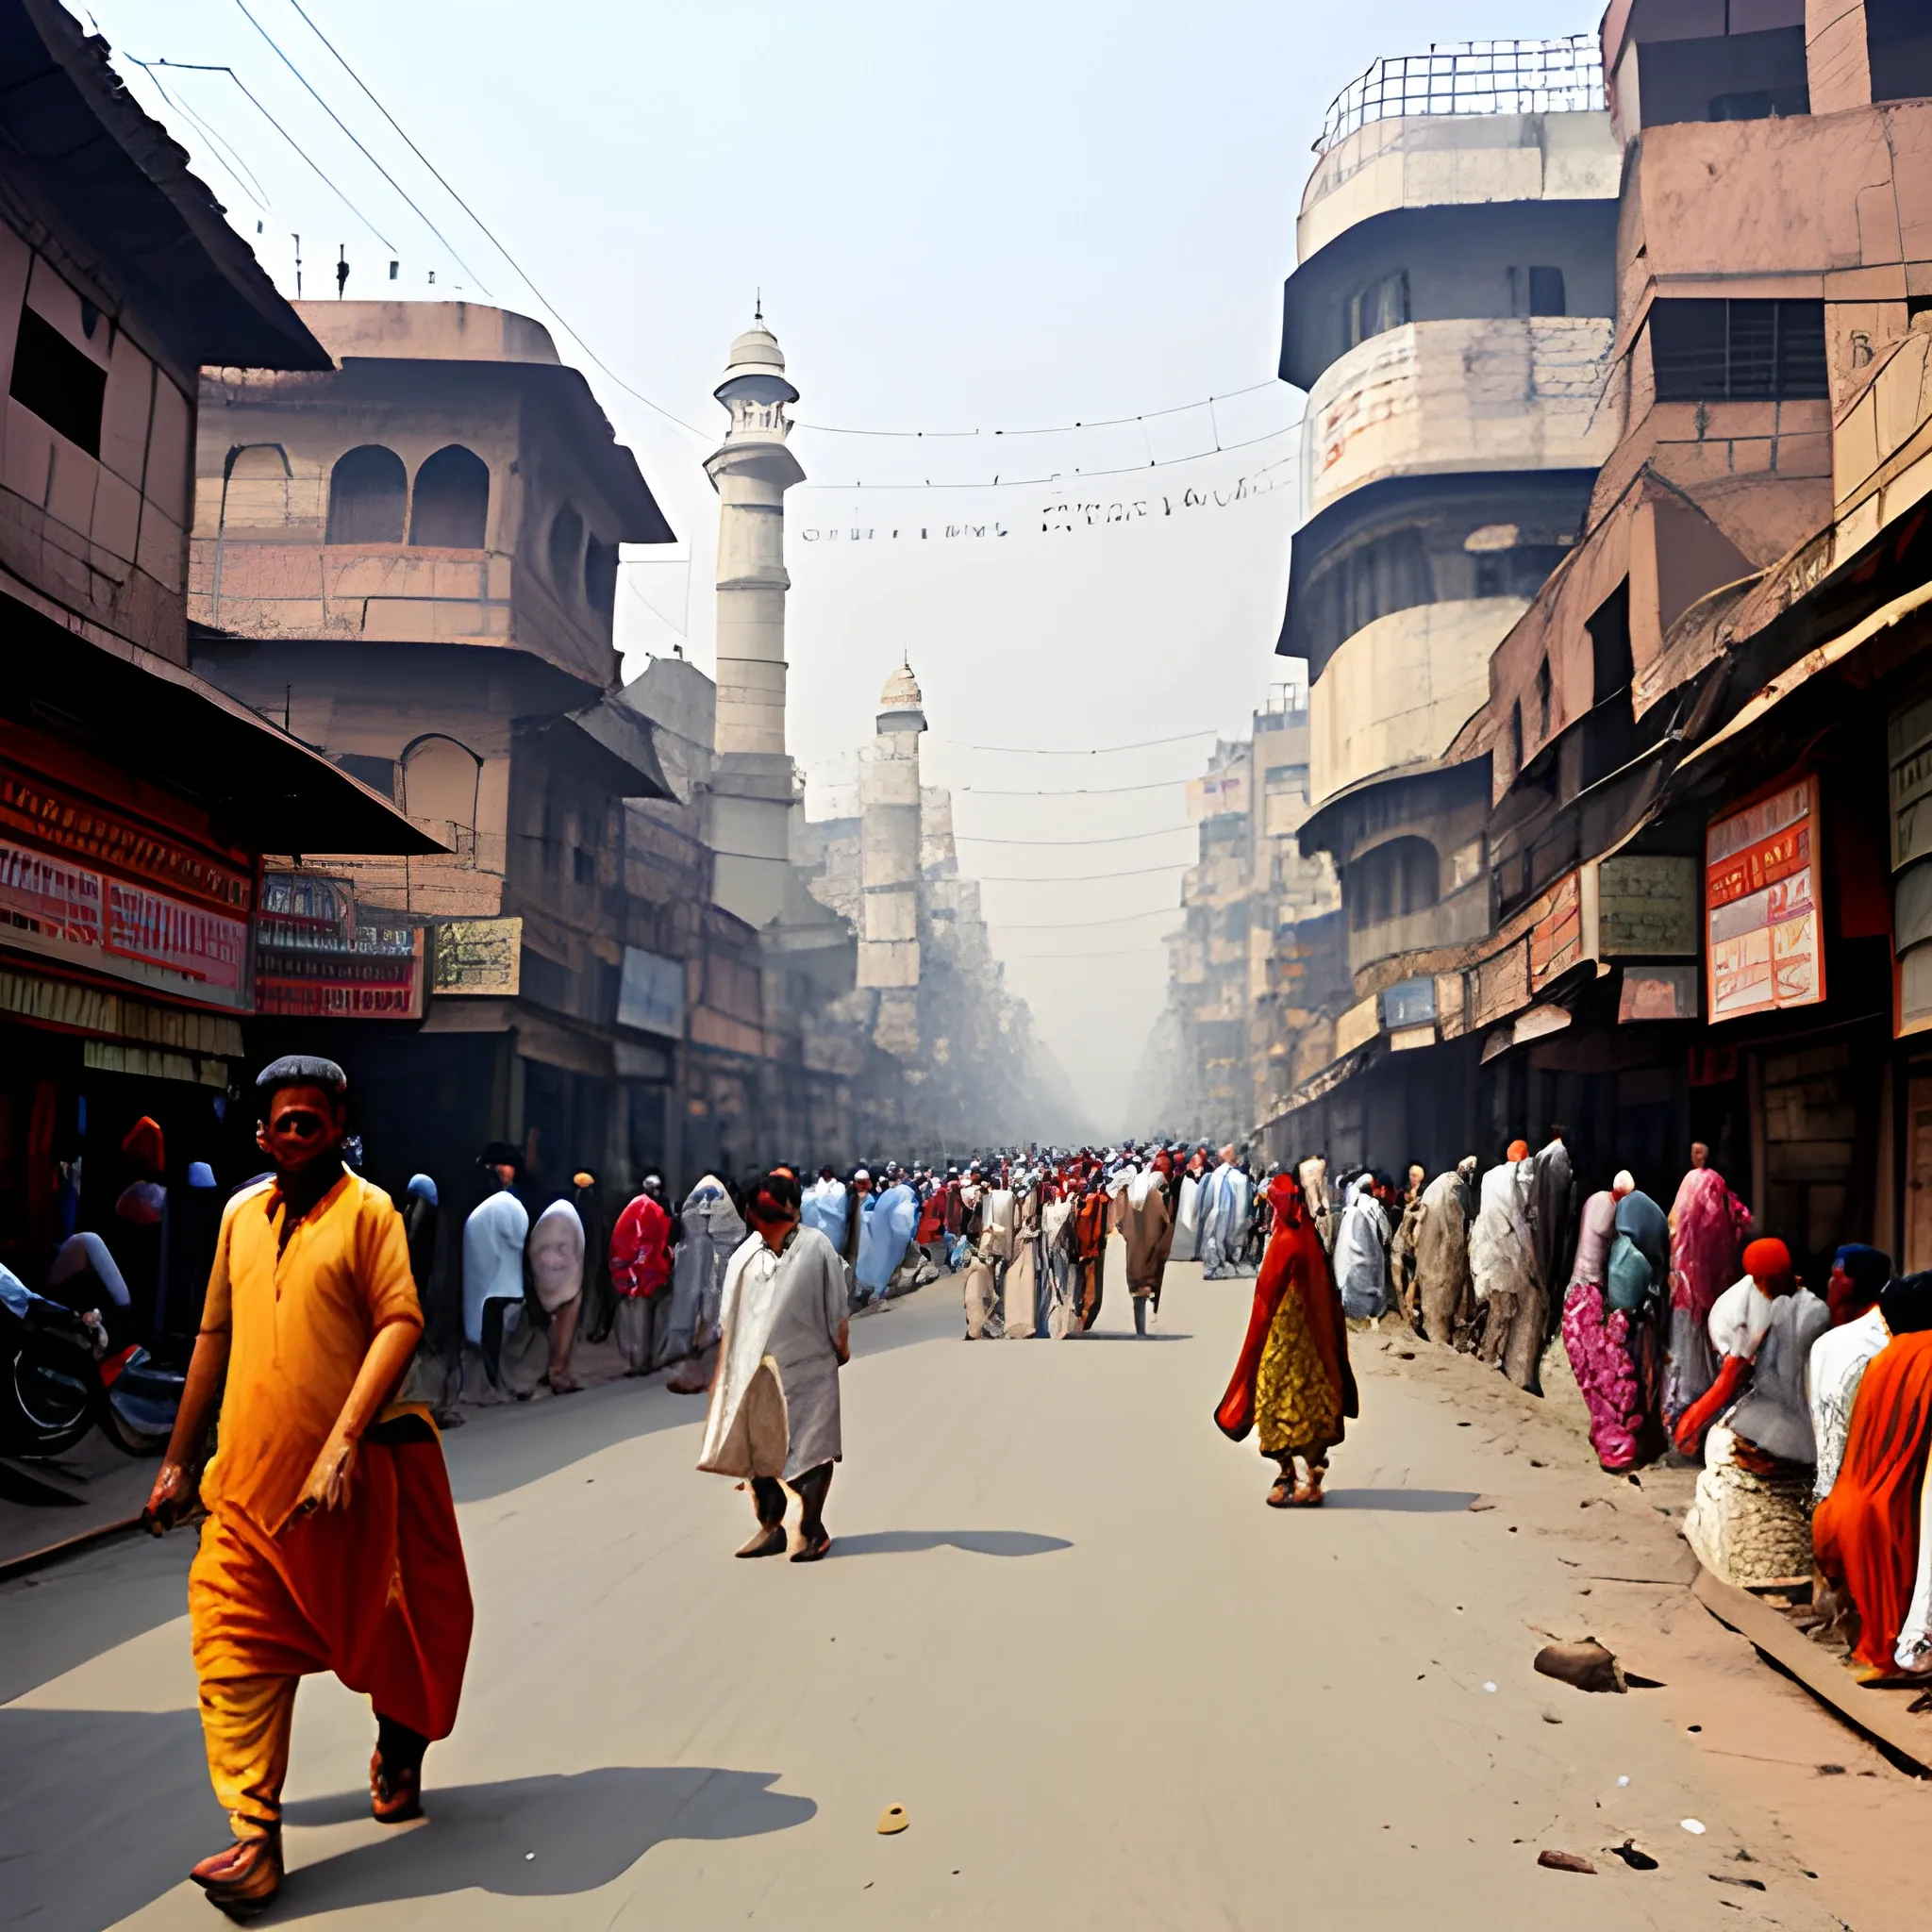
(757, 311)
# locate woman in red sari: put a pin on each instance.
(1293, 1381)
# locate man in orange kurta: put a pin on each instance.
(331, 1540)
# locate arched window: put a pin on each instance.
(566, 547)
(254, 495)
(440, 780)
(600, 576)
(367, 490)
(452, 502)
(1391, 881)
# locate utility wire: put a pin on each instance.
(203, 67)
(1076, 925)
(1068, 477)
(489, 234)
(1080, 792)
(1111, 953)
(235, 167)
(356, 139)
(1116, 838)
(1065, 751)
(1075, 878)
(1049, 429)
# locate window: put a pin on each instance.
(440, 780)
(59, 385)
(1393, 881)
(1898, 35)
(452, 507)
(1609, 645)
(1542, 700)
(1514, 740)
(1714, 350)
(583, 866)
(566, 543)
(1382, 306)
(600, 576)
(367, 491)
(1546, 291)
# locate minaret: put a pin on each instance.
(752, 792)
(889, 842)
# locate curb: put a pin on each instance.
(1879, 1714)
(67, 1546)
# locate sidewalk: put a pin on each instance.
(49, 1506)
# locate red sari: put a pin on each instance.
(1295, 1265)
(1865, 1534)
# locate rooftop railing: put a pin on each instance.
(1472, 77)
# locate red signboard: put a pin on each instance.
(1760, 905)
(321, 956)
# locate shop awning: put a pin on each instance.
(269, 790)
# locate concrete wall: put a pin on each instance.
(1451, 160)
(1444, 396)
(1398, 691)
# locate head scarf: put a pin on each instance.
(1767, 1261)
(555, 1253)
(1519, 1150)
(1708, 1223)
(1594, 1232)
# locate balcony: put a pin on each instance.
(1456, 920)
(1397, 692)
(1443, 397)
(1564, 76)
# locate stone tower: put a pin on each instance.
(888, 803)
(751, 798)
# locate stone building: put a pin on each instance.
(410, 558)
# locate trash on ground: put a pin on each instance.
(1564, 1861)
(893, 1818)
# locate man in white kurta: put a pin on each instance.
(775, 1419)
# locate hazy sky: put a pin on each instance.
(987, 217)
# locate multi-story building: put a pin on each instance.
(136, 801)
(1450, 318)
(1703, 739)
(410, 557)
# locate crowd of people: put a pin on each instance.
(1810, 1416)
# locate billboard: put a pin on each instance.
(1764, 945)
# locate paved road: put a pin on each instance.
(1110, 1688)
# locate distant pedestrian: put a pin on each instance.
(641, 1276)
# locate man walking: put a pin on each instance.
(331, 1541)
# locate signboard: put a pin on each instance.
(115, 894)
(317, 958)
(650, 997)
(1411, 1004)
(479, 955)
(1658, 993)
(1646, 907)
(1556, 936)
(1219, 791)
(1760, 905)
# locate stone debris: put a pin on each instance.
(1586, 1665)
(1564, 1861)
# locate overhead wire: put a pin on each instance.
(1066, 751)
(1075, 878)
(275, 46)
(208, 67)
(1067, 477)
(1080, 792)
(1113, 839)
(1067, 925)
(489, 233)
(1045, 430)
(231, 160)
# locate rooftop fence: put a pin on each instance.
(1472, 77)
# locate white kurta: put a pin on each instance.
(493, 1238)
(774, 1406)
(1839, 1360)
(1187, 1221)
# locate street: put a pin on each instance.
(1058, 1626)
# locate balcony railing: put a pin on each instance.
(1472, 77)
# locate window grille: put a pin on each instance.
(1472, 77)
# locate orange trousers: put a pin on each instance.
(376, 1592)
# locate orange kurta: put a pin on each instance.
(375, 1591)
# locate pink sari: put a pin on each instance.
(1599, 1343)
(1708, 1226)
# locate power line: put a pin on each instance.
(1075, 878)
(1048, 429)
(1110, 953)
(1069, 477)
(488, 233)
(225, 152)
(356, 139)
(1078, 925)
(204, 67)
(1058, 751)
(1081, 791)
(1115, 838)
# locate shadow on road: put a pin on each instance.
(1128, 1335)
(1412, 1501)
(984, 1542)
(585, 1830)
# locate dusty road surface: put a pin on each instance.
(1110, 1688)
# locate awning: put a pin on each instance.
(610, 746)
(271, 793)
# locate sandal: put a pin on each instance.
(813, 1549)
(1307, 1496)
(243, 1879)
(1281, 1494)
(394, 1799)
(766, 1541)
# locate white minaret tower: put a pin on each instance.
(889, 852)
(752, 796)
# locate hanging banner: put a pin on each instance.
(1760, 901)
(317, 957)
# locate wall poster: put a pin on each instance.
(1761, 904)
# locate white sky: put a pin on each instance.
(966, 217)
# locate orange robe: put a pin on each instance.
(375, 1591)
(1865, 1534)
